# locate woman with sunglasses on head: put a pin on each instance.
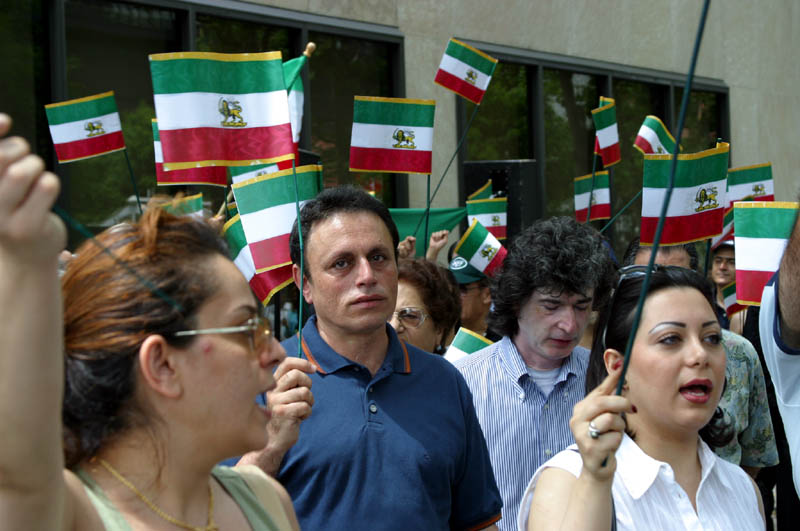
(428, 305)
(163, 357)
(642, 460)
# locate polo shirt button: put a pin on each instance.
(548, 452)
(522, 396)
(546, 406)
(371, 389)
(373, 408)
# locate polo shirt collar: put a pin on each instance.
(515, 366)
(317, 351)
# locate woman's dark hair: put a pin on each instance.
(438, 290)
(616, 319)
(109, 311)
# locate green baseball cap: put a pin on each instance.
(464, 273)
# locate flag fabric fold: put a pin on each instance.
(465, 70)
(654, 137)
(465, 343)
(732, 306)
(762, 232)
(217, 109)
(85, 127)
(746, 183)
(600, 199)
(491, 213)
(481, 249)
(607, 135)
(267, 210)
(211, 175)
(392, 135)
(484, 192)
(696, 209)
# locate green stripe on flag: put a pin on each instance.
(176, 76)
(604, 117)
(473, 239)
(275, 189)
(468, 341)
(84, 110)
(693, 170)
(729, 290)
(487, 206)
(156, 137)
(754, 219)
(234, 235)
(465, 55)
(583, 184)
(750, 174)
(392, 113)
(292, 76)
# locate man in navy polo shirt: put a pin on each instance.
(393, 442)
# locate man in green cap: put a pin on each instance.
(476, 298)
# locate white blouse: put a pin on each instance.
(646, 495)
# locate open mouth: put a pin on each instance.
(697, 391)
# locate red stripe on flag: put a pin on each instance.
(270, 252)
(287, 164)
(735, 308)
(610, 155)
(683, 229)
(211, 143)
(265, 284)
(750, 284)
(601, 211)
(397, 160)
(496, 262)
(498, 232)
(96, 145)
(643, 144)
(448, 80)
(213, 175)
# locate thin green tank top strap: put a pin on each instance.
(111, 517)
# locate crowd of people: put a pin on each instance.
(126, 380)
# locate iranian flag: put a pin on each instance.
(747, 183)
(481, 249)
(762, 231)
(606, 142)
(484, 192)
(465, 70)
(267, 208)
(294, 89)
(212, 175)
(85, 127)
(491, 213)
(191, 205)
(696, 209)
(217, 109)
(465, 343)
(245, 173)
(392, 135)
(601, 197)
(264, 285)
(732, 306)
(654, 137)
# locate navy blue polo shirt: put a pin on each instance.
(399, 450)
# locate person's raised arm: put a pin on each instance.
(32, 488)
(789, 287)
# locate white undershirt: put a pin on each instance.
(544, 380)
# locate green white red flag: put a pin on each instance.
(600, 196)
(762, 231)
(465, 343)
(654, 137)
(696, 209)
(217, 109)
(267, 209)
(85, 127)
(732, 306)
(484, 192)
(491, 213)
(465, 70)
(392, 135)
(606, 143)
(293, 80)
(191, 205)
(212, 175)
(481, 249)
(746, 183)
(265, 284)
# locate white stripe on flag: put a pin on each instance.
(652, 139)
(158, 151)
(682, 202)
(201, 109)
(477, 260)
(454, 354)
(72, 131)
(738, 192)
(601, 197)
(459, 69)
(244, 262)
(730, 300)
(296, 113)
(487, 221)
(608, 136)
(269, 222)
(272, 168)
(380, 136)
(759, 254)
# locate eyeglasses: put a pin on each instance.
(258, 328)
(410, 317)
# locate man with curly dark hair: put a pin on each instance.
(525, 385)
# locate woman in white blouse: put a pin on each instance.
(642, 460)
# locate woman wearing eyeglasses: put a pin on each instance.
(428, 305)
(643, 460)
(163, 358)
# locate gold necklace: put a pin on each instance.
(210, 526)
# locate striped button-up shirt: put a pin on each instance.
(523, 427)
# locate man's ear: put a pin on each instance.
(306, 282)
(158, 368)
